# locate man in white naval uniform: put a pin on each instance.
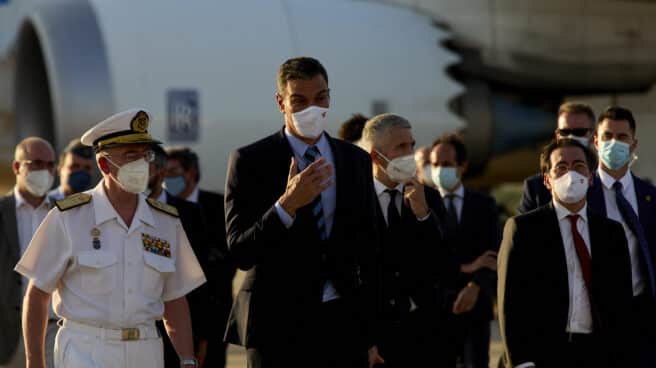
(114, 263)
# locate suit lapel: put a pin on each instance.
(556, 248)
(596, 200)
(466, 210)
(340, 163)
(643, 197)
(8, 211)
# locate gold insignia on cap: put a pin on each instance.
(139, 122)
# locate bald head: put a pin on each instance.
(31, 146)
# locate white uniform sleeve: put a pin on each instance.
(48, 253)
(188, 274)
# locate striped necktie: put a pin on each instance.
(312, 154)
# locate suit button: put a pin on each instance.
(392, 302)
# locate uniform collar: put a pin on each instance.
(104, 210)
(381, 188)
(562, 212)
(608, 181)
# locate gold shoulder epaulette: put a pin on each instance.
(163, 207)
(73, 201)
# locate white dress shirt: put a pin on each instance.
(613, 213)
(193, 196)
(384, 197)
(580, 316)
(124, 282)
(458, 198)
(28, 219)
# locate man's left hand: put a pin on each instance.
(415, 197)
(466, 299)
(374, 357)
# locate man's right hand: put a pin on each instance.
(303, 187)
(485, 260)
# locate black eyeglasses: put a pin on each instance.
(577, 132)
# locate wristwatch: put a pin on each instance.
(189, 362)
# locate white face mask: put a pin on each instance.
(133, 176)
(583, 140)
(38, 182)
(400, 169)
(571, 187)
(311, 122)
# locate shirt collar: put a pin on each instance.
(162, 196)
(459, 193)
(20, 200)
(299, 147)
(562, 212)
(104, 211)
(381, 188)
(193, 196)
(608, 181)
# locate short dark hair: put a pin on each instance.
(188, 159)
(618, 113)
(575, 107)
(351, 129)
(76, 147)
(545, 156)
(299, 68)
(456, 142)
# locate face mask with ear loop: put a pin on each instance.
(400, 169)
(133, 176)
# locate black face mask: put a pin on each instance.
(79, 181)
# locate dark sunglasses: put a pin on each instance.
(577, 132)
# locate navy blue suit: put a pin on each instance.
(644, 306)
(535, 194)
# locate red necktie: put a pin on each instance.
(584, 260)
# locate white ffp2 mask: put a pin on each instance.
(38, 182)
(571, 187)
(311, 122)
(400, 169)
(133, 176)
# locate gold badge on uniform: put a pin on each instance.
(95, 233)
(140, 122)
(156, 245)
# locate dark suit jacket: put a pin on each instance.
(414, 259)
(646, 198)
(534, 290)
(219, 270)
(10, 281)
(478, 232)
(278, 301)
(535, 194)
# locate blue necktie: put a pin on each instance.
(635, 226)
(312, 154)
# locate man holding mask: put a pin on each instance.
(300, 219)
(414, 255)
(472, 234)
(629, 200)
(75, 170)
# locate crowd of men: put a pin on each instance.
(363, 251)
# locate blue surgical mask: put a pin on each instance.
(445, 177)
(175, 185)
(79, 181)
(614, 154)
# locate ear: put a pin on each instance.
(281, 103)
(15, 166)
(556, 134)
(463, 168)
(547, 183)
(634, 145)
(103, 165)
(595, 139)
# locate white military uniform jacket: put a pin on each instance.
(104, 273)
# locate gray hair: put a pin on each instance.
(377, 127)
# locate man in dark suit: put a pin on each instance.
(629, 200)
(413, 254)
(472, 233)
(21, 212)
(564, 275)
(301, 220)
(576, 120)
(182, 177)
(194, 226)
